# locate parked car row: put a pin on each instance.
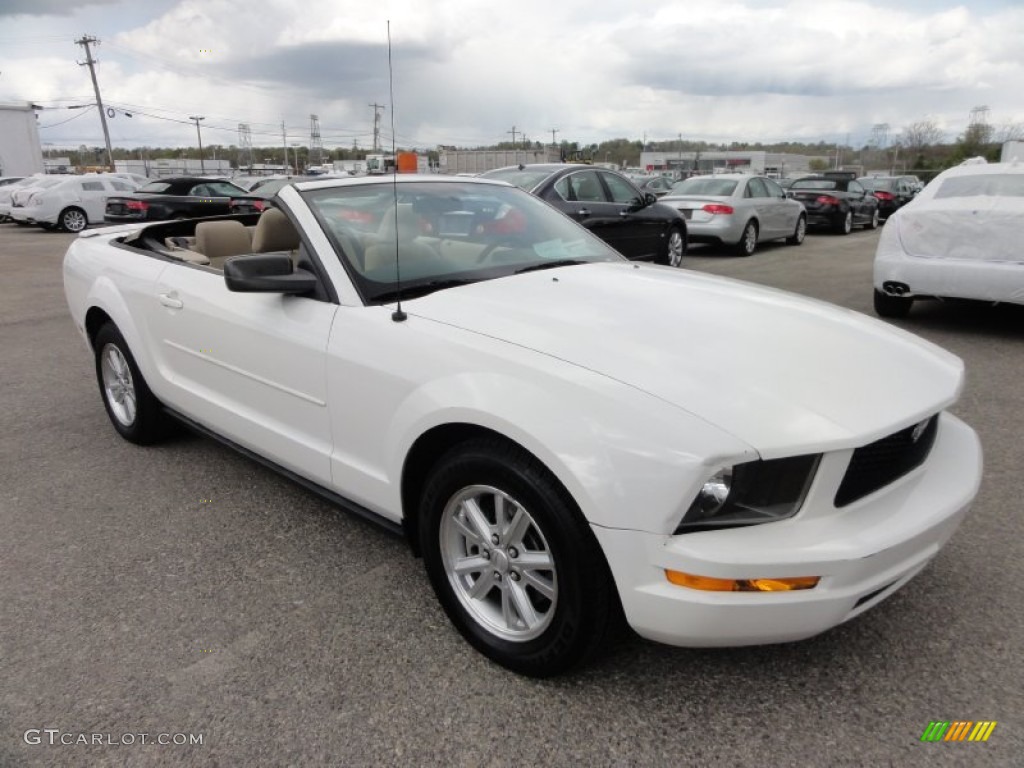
(64, 201)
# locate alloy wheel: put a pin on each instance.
(118, 387)
(498, 563)
(73, 220)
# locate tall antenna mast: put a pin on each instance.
(316, 144)
(378, 107)
(398, 315)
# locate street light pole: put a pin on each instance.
(199, 135)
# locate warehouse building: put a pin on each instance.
(779, 164)
(20, 151)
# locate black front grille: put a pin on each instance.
(876, 465)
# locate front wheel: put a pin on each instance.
(799, 233)
(133, 410)
(748, 240)
(73, 219)
(512, 561)
(891, 306)
(675, 247)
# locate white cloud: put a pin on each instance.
(466, 71)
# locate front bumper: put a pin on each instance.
(863, 553)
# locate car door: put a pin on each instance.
(641, 231)
(783, 210)
(860, 201)
(249, 366)
(581, 195)
(93, 195)
(764, 208)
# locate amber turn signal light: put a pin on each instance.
(711, 584)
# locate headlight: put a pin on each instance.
(751, 493)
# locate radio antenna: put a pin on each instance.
(398, 315)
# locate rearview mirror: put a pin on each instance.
(267, 273)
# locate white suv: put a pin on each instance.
(72, 203)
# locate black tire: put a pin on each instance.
(892, 306)
(873, 223)
(675, 247)
(73, 219)
(845, 226)
(149, 423)
(583, 610)
(800, 233)
(748, 240)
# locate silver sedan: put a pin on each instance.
(737, 210)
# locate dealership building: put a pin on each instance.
(20, 151)
(779, 164)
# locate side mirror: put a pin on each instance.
(267, 273)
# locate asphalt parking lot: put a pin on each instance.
(183, 589)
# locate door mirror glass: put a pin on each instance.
(267, 273)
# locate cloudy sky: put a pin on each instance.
(467, 71)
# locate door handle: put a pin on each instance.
(583, 212)
(168, 300)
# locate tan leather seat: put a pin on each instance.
(274, 232)
(410, 244)
(218, 240)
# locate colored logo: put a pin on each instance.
(958, 730)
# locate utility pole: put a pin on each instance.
(553, 132)
(199, 135)
(85, 41)
(284, 141)
(513, 132)
(376, 126)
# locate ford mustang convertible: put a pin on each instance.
(569, 439)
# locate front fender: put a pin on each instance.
(628, 459)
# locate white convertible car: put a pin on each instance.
(568, 438)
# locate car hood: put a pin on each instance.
(783, 373)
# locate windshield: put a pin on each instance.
(448, 233)
(814, 184)
(699, 186)
(224, 189)
(875, 183)
(527, 178)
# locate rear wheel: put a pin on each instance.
(133, 410)
(846, 225)
(748, 241)
(675, 247)
(512, 561)
(799, 233)
(73, 219)
(873, 224)
(892, 306)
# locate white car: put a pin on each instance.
(959, 238)
(565, 436)
(72, 203)
(7, 192)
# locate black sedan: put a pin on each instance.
(608, 204)
(893, 192)
(182, 197)
(836, 203)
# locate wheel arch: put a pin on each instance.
(427, 450)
